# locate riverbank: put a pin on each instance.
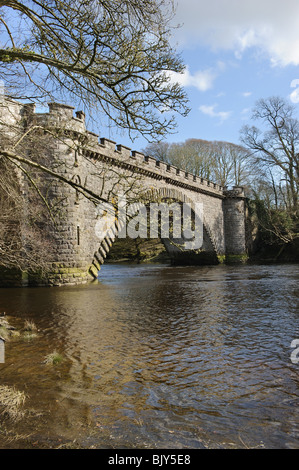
(153, 250)
(288, 253)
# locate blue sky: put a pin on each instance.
(235, 52)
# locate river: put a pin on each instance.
(156, 356)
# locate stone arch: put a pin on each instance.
(103, 250)
(209, 244)
(150, 195)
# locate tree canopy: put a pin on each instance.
(224, 163)
(274, 147)
(111, 57)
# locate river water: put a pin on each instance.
(160, 357)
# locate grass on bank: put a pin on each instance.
(53, 358)
(30, 326)
(11, 401)
(7, 331)
(30, 329)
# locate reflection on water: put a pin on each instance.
(159, 356)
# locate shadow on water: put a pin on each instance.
(159, 357)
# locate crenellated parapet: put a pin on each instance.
(235, 192)
(61, 117)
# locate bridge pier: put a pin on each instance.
(234, 225)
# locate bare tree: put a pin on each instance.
(158, 150)
(274, 152)
(230, 164)
(275, 145)
(195, 156)
(224, 163)
(111, 57)
(24, 242)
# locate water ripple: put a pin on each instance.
(162, 356)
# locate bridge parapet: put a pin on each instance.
(236, 191)
(62, 116)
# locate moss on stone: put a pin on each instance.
(231, 259)
(221, 259)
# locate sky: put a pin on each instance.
(235, 53)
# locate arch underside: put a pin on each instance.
(207, 254)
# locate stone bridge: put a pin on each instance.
(104, 168)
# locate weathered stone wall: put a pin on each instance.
(234, 223)
(105, 168)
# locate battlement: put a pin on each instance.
(62, 116)
(235, 192)
(101, 147)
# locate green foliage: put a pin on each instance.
(53, 358)
(277, 226)
(12, 54)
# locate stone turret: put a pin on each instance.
(234, 224)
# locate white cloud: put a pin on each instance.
(202, 79)
(245, 113)
(269, 25)
(210, 111)
(294, 96)
(246, 94)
